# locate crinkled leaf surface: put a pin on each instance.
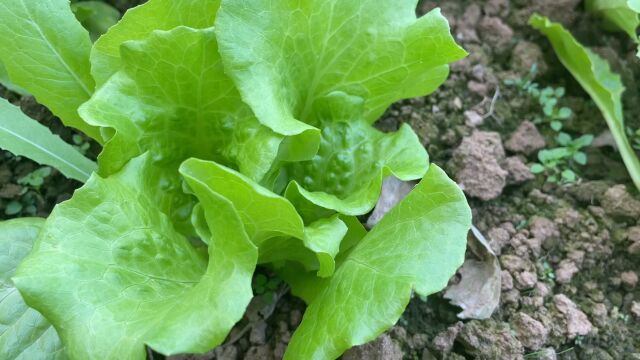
(46, 52)
(347, 172)
(112, 274)
(24, 136)
(427, 231)
(24, 333)
(618, 13)
(284, 55)
(140, 21)
(173, 99)
(603, 85)
(270, 220)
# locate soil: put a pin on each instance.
(569, 254)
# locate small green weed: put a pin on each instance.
(548, 98)
(558, 163)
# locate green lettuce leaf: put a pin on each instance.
(6, 82)
(264, 213)
(24, 333)
(634, 5)
(317, 250)
(371, 288)
(26, 137)
(603, 85)
(346, 175)
(95, 16)
(140, 22)
(618, 13)
(270, 220)
(112, 274)
(285, 55)
(173, 99)
(46, 51)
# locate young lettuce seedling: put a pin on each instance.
(202, 125)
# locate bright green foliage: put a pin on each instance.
(24, 136)
(24, 333)
(149, 101)
(369, 291)
(347, 172)
(618, 14)
(46, 51)
(196, 187)
(96, 16)
(548, 98)
(113, 274)
(140, 21)
(596, 77)
(6, 82)
(559, 163)
(285, 55)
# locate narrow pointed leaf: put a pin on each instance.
(46, 52)
(26, 137)
(603, 85)
(24, 333)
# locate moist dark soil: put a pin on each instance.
(569, 253)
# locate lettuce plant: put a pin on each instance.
(236, 133)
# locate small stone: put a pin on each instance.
(635, 309)
(566, 270)
(507, 280)
(262, 352)
(419, 340)
(543, 229)
(443, 342)
(618, 202)
(576, 321)
(599, 314)
(526, 139)
(10, 191)
(634, 249)
(295, 317)
(629, 280)
(526, 280)
(531, 333)
(258, 333)
(472, 119)
(633, 234)
(478, 88)
(383, 348)
(547, 354)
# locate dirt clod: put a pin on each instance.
(617, 202)
(531, 333)
(478, 159)
(576, 322)
(383, 348)
(495, 33)
(490, 340)
(566, 270)
(629, 279)
(518, 171)
(526, 139)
